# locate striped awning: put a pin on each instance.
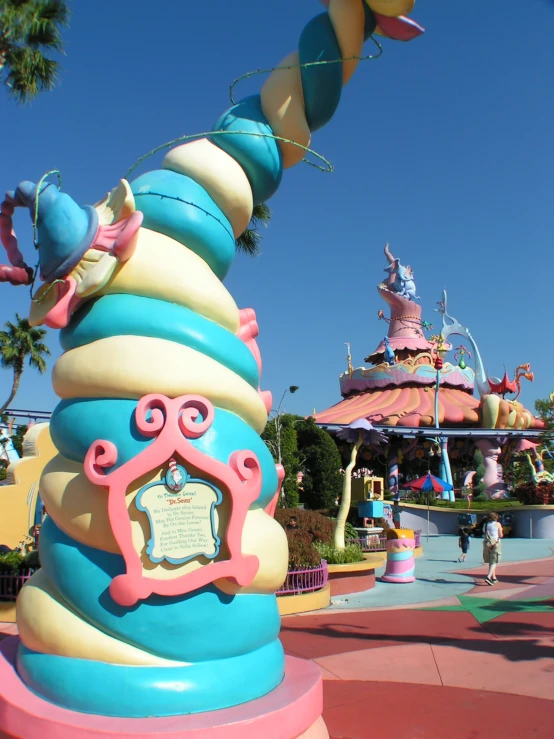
(407, 406)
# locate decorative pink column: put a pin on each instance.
(495, 485)
(400, 556)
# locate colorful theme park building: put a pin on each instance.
(425, 404)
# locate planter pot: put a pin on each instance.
(354, 577)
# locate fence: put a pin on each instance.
(370, 543)
(305, 581)
(378, 543)
(11, 584)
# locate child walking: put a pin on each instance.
(463, 543)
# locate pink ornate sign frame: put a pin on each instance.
(173, 422)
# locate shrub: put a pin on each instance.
(351, 553)
(331, 512)
(11, 563)
(531, 494)
(312, 527)
(302, 552)
(31, 560)
(319, 527)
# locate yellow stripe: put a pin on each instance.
(348, 19)
(47, 625)
(163, 268)
(265, 538)
(391, 8)
(134, 366)
(219, 174)
(76, 505)
(283, 106)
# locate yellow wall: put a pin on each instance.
(19, 493)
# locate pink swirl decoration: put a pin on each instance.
(191, 408)
(247, 467)
(101, 454)
(155, 411)
(152, 413)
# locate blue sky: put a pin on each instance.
(444, 147)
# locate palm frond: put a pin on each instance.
(29, 29)
(30, 72)
(249, 241)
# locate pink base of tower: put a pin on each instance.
(291, 711)
(390, 578)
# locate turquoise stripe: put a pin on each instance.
(400, 556)
(131, 315)
(78, 423)
(201, 626)
(259, 156)
(321, 84)
(177, 206)
(136, 692)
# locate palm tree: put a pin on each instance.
(249, 241)
(19, 341)
(28, 30)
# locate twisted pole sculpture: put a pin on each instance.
(160, 555)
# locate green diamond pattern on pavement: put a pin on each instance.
(487, 609)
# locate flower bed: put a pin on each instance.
(304, 581)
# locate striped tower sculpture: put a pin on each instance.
(400, 556)
(160, 555)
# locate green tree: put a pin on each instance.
(18, 342)
(289, 454)
(545, 411)
(29, 31)
(322, 481)
(17, 438)
(249, 241)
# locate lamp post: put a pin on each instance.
(441, 349)
(277, 420)
(440, 352)
(432, 452)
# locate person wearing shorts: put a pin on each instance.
(492, 548)
(463, 543)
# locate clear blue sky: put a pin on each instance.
(444, 147)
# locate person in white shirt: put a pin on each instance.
(492, 550)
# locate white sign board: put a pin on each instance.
(182, 516)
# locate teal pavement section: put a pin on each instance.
(438, 573)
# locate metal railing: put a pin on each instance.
(305, 581)
(374, 543)
(11, 584)
(370, 543)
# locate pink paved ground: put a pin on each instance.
(430, 674)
